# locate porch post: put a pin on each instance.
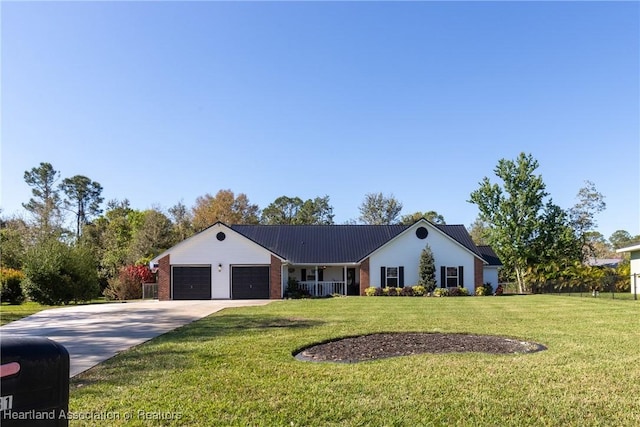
(344, 280)
(316, 284)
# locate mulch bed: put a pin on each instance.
(383, 345)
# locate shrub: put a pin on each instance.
(427, 270)
(419, 291)
(58, 274)
(391, 291)
(480, 291)
(488, 288)
(441, 292)
(499, 290)
(128, 283)
(11, 286)
(458, 292)
(407, 291)
(294, 290)
(370, 291)
(379, 292)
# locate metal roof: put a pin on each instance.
(329, 244)
(489, 255)
(321, 244)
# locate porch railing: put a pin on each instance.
(322, 289)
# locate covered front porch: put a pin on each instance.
(324, 280)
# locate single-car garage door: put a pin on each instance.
(192, 282)
(250, 282)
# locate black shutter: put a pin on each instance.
(401, 277)
(461, 276)
(383, 277)
(303, 274)
(443, 277)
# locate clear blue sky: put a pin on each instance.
(163, 102)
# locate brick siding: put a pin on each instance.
(275, 281)
(164, 279)
(364, 276)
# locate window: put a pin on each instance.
(452, 277)
(392, 277)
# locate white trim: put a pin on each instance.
(412, 228)
(210, 229)
(629, 248)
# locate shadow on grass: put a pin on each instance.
(187, 347)
(235, 324)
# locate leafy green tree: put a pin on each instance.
(582, 214)
(14, 234)
(378, 209)
(151, 237)
(44, 206)
(431, 216)
(316, 212)
(513, 211)
(427, 270)
(182, 221)
(58, 274)
(295, 211)
(225, 207)
(283, 210)
(622, 238)
(479, 232)
(83, 198)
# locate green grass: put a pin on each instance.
(236, 368)
(10, 313)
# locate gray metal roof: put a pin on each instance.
(329, 244)
(321, 244)
(460, 234)
(489, 255)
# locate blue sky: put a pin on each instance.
(163, 102)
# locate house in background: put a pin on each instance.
(257, 261)
(634, 252)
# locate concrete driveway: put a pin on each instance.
(94, 333)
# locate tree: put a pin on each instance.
(294, 211)
(45, 203)
(513, 212)
(224, 207)
(58, 274)
(479, 232)
(582, 215)
(154, 235)
(427, 270)
(182, 221)
(431, 216)
(622, 238)
(14, 234)
(283, 210)
(83, 199)
(377, 209)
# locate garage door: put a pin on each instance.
(192, 282)
(250, 282)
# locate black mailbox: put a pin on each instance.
(34, 382)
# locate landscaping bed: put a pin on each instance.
(384, 345)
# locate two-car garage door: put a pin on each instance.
(194, 282)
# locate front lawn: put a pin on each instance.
(10, 313)
(236, 368)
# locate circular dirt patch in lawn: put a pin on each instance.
(383, 345)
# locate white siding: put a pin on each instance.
(490, 274)
(205, 249)
(635, 269)
(405, 251)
